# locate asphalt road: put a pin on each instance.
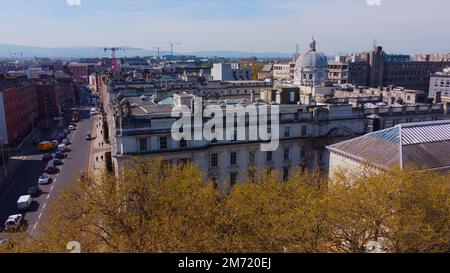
(27, 176)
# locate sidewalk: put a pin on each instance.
(99, 148)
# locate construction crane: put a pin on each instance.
(171, 47)
(12, 54)
(113, 56)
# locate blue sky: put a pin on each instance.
(409, 26)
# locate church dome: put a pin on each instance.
(312, 58)
(311, 68)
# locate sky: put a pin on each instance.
(401, 26)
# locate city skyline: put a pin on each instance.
(221, 25)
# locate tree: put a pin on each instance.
(421, 213)
(158, 208)
(256, 68)
(275, 216)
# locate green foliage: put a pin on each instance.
(154, 208)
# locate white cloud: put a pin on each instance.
(374, 2)
(73, 2)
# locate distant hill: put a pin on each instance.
(240, 54)
(95, 52)
(66, 52)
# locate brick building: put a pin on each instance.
(81, 71)
(18, 112)
(24, 103)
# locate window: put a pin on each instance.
(163, 143)
(233, 179)
(287, 131)
(251, 157)
(233, 159)
(269, 157)
(304, 130)
(214, 160)
(303, 152)
(143, 144)
(286, 153)
(183, 144)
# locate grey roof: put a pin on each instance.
(424, 133)
(424, 144)
(312, 59)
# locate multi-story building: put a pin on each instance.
(379, 69)
(439, 85)
(338, 72)
(144, 128)
(410, 74)
(18, 112)
(81, 71)
(348, 71)
(432, 58)
(230, 72)
(24, 103)
(284, 71)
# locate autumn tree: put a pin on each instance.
(152, 207)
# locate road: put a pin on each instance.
(33, 166)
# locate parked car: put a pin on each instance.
(52, 170)
(55, 141)
(24, 202)
(46, 157)
(44, 179)
(33, 191)
(59, 155)
(88, 136)
(57, 162)
(13, 223)
(66, 141)
(71, 127)
(66, 131)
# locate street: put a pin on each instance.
(32, 167)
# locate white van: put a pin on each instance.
(13, 223)
(24, 202)
(62, 147)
